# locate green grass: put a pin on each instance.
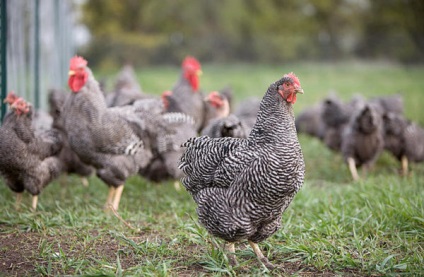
(372, 227)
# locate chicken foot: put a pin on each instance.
(231, 249)
(34, 202)
(261, 256)
(352, 168)
(84, 181)
(117, 197)
(109, 199)
(404, 162)
(18, 200)
(114, 197)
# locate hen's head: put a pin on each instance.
(164, 97)
(215, 99)
(20, 107)
(192, 71)
(290, 87)
(78, 75)
(10, 98)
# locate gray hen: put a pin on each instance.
(404, 139)
(186, 97)
(71, 163)
(242, 186)
(27, 161)
(127, 90)
(171, 130)
(219, 122)
(310, 122)
(247, 112)
(362, 140)
(114, 141)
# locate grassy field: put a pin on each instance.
(372, 227)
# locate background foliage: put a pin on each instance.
(270, 31)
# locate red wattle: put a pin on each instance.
(76, 82)
(291, 98)
(194, 81)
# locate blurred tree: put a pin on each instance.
(270, 31)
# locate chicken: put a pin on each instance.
(27, 161)
(247, 112)
(404, 139)
(112, 140)
(336, 116)
(362, 140)
(309, 121)
(172, 130)
(71, 163)
(186, 97)
(127, 89)
(390, 103)
(219, 122)
(242, 186)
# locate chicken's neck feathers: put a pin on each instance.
(275, 120)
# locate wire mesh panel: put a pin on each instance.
(39, 46)
(3, 76)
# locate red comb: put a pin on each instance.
(77, 62)
(293, 77)
(166, 93)
(191, 63)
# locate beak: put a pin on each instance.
(71, 72)
(299, 90)
(199, 72)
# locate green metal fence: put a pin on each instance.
(36, 40)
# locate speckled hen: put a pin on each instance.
(242, 186)
(112, 140)
(27, 161)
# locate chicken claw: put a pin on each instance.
(261, 256)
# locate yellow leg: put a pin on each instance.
(18, 200)
(404, 165)
(230, 247)
(109, 198)
(34, 202)
(261, 256)
(352, 168)
(84, 181)
(117, 198)
(177, 186)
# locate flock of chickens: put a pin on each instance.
(243, 171)
(362, 129)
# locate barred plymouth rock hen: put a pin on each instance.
(27, 161)
(242, 186)
(113, 140)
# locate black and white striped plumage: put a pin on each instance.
(242, 186)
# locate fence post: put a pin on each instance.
(3, 57)
(37, 55)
